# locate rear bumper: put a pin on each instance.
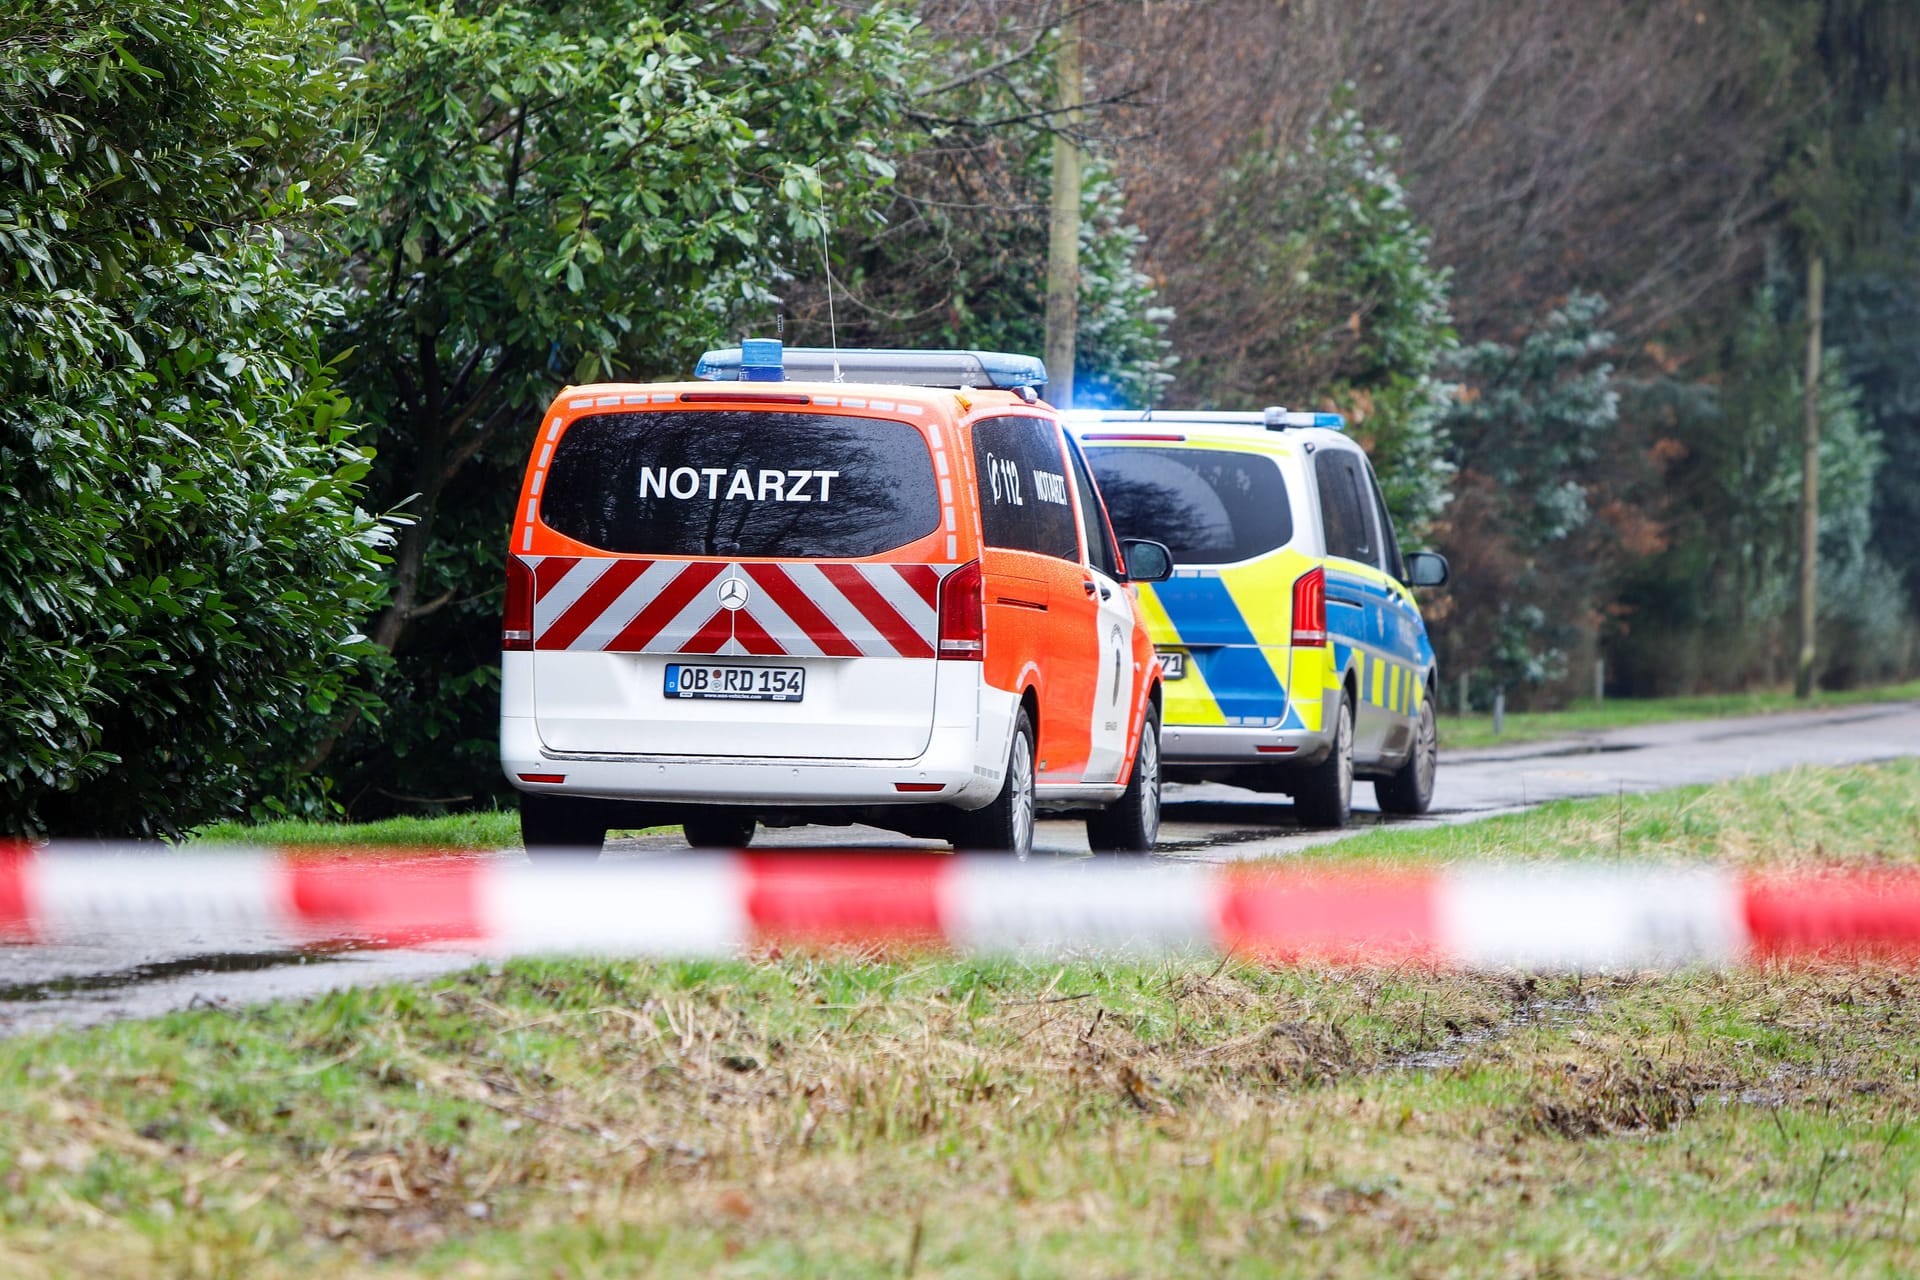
(964, 759)
(1184, 744)
(949, 763)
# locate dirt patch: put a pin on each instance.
(1619, 1097)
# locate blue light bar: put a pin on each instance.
(761, 360)
(1274, 419)
(1279, 419)
(890, 366)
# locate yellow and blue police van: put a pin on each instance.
(1292, 650)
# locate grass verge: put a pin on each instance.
(481, 829)
(849, 1114)
(1463, 733)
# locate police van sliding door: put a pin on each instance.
(1358, 593)
(746, 594)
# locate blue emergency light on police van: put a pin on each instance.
(1273, 418)
(1278, 418)
(765, 360)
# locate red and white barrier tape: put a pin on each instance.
(1535, 917)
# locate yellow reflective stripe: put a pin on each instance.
(1263, 593)
(1379, 680)
(1160, 628)
(1313, 674)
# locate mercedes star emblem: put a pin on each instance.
(733, 593)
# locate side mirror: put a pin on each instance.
(1426, 569)
(1147, 561)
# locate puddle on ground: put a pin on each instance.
(1454, 1049)
(1216, 840)
(1589, 749)
(104, 984)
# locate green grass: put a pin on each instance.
(853, 1114)
(485, 829)
(1861, 816)
(482, 829)
(1461, 733)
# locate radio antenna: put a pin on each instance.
(826, 265)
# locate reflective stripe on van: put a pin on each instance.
(827, 609)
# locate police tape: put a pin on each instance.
(1534, 917)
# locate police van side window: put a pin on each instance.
(1022, 479)
(1100, 551)
(1344, 507)
(1389, 544)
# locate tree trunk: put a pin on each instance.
(1810, 478)
(1063, 247)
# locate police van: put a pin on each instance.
(1293, 650)
(818, 586)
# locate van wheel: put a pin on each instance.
(1132, 823)
(1007, 823)
(718, 828)
(1410, 789)
(561, 826)
(1323, 796)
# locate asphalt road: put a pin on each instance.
(90, 980)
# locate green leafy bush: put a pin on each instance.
(183, 565)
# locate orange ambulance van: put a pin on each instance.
(815, 586)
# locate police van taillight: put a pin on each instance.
(963, 614)
(516, 624)
(1310, 609)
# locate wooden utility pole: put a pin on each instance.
(1810, 478)
(1063, 241)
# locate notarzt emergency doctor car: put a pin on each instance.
(1294, 654)
(892, 599)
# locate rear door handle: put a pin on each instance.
(1088, 584)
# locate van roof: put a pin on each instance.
(851, 395)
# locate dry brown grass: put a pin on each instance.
(849, 1114)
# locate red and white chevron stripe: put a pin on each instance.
(1540, 918)
(833, 609)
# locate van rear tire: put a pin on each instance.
(1006, 824)
(1132, 823)
(1410, 789)
(718, 828)
(553, 827)
(1323, 796)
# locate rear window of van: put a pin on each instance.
(741, 483)
(1210, 506)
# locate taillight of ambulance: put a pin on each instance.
(516, 623)
(963, 614)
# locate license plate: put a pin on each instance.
(741, 684)
(1173, 666)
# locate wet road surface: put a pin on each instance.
(86, 981)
